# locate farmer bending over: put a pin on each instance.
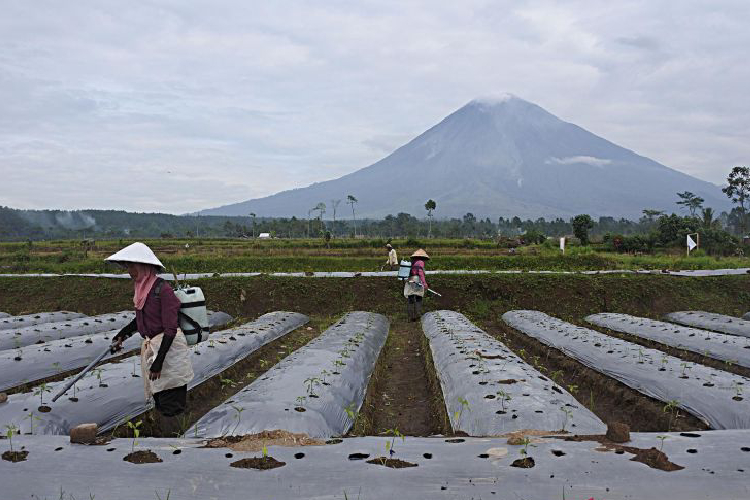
(165, 358)
(392, 261)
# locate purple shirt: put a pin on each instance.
(159, 314)
(417, 269)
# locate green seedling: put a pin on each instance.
(40, 390)
(458, 413)
(522, 353)
(572, 388)
(98, 373)
(310, 383)
(263, 363)
(338, 363)
(671, 407)
(526, 443)
(10, 430)
(662, 438)
(640, 355)
(568, 415)
(389, 446)
(135, 365)
(351, 412)
(301, 401)
(324, 373)
(684, 367)
(31, 417)
(264, 451)
(227, 382)
(504, 397)
(664, 361)
(136, 433)
(556, 376)
(737, 390)
(239, 411)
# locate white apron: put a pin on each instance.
(413, 286)
(177, 370)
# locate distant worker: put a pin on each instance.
(165, 358)
(392, 257)
(416, 285)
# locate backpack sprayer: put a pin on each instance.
(404, 268)
(192, 318)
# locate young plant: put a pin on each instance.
(136, 433)
(263, 363)
(301, 401)
(239, 411)
(227, 382)
(671, 408)
(351, 412)
(10, 430)
(738, 391)
(264, 451)
(504, 397)
(458, 413)
(40, 390)
(556, 376)
(310, 382)
(389, 446)
(572, 388)
(323, 374)
(685, 366)
(526, 443)
(662, 438)
(31, 417)
(568, 415)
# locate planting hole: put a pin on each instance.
(745, 448)
(176, 452)
(501, 412)
(428, 456)
(299, 455)
(44, 409)
(524, 463)
(458, 440)
(263, 463)
(689, 435)
(489, 396)
(299, 409)
(692, 450)
(558, 453)
(358, 456)
(111, 449)
(484, 455)
(229, 455)
(58, 448)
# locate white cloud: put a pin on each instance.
(178, 106)
(572, 160)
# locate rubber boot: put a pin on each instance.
(418, 310)
(409, 308)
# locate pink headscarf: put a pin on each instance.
(143, 283)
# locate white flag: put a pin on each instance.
(690, 243)
(562, 244)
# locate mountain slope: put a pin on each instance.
(500, 157)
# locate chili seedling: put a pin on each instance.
(239, 411)
(136, 433)
(568, 414)
(40, 390)
(31, 417)
(9, 431)
(662, 438)
(504, 396)
(458, 413)
(671, 408)
(389, 446)
(310, 383)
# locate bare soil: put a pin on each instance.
(393, 463)
(256, 442)
(15, 456)
(142, 457)
(656, 459)
(402, 394)
(262, 463)
(611, 400)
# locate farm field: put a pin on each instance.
(242, 255)
(341, 386)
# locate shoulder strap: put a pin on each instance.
(156, 290)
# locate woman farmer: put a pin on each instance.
(165, 358)
(416, 285)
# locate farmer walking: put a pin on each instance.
(416, 285)
(392, 261)
(165, 358)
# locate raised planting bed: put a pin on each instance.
(715, 396)
(489, 391)
(730, 348)
(37, 319)
(14, 338)
(57, 357)
(4, 315)
(113, 393)
(316, 391)
(707, 465)
(711, 321)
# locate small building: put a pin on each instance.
(264, 236)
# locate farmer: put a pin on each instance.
(165, 358)
(392, 261)
(416, 285)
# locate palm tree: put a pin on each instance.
(351, 200)
(430, 206)
(708, 218)
(335, 205)
(321, 208)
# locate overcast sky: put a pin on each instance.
(176, 106)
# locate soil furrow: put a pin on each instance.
(402, 394)
(611, 400)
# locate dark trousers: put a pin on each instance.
(414, 307)
(172, 401)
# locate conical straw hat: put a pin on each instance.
(137, 252)
(421, 253)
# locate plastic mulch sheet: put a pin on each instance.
(711, 321)
(37, 362)
(706, 393)
(13, 338)
(114, 393)
(4, 315)
(310, 391)
(729, 348)
(37, 319)
(489, 391)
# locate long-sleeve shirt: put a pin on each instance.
(159, 314)
(417, 269)
(392, 258)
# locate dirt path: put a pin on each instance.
(402, 393)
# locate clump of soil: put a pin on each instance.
(15, 456)
(263, 463)
(256, 442)
(45, 409)
(524, 463)
(142, 457)
(393, 463)
(652, 457)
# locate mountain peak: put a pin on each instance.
(494, 99)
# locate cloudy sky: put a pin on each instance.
(181, 105)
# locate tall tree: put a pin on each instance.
(708, 218)
(321, 208)
(690, 201)
(649, 214)
(581, 225)
(334, 206)
(430, 206)
(253, 216)
(351, 200)
(738, 191)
